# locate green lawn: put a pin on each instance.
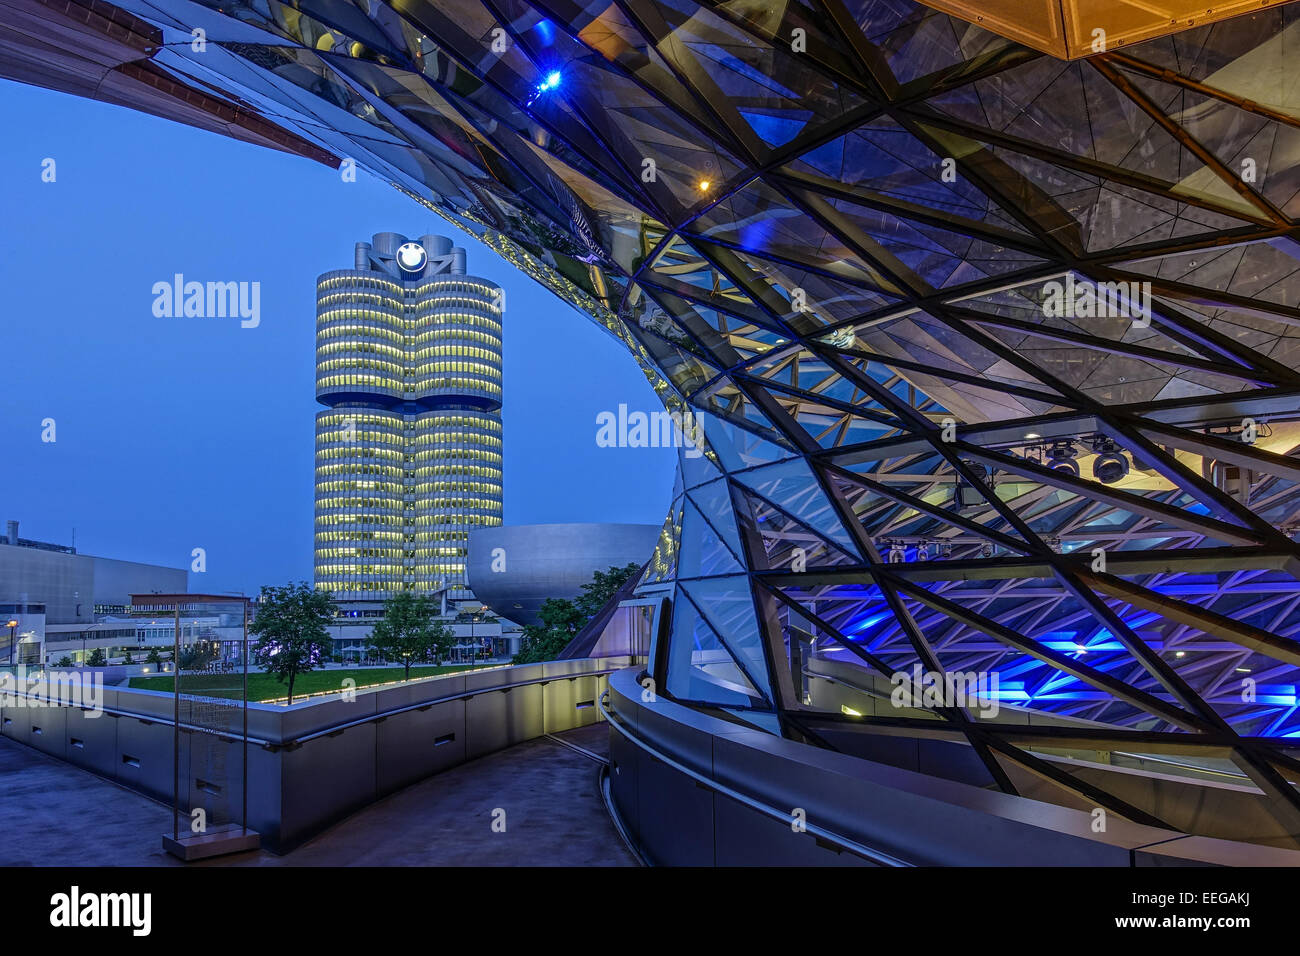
(267, 687)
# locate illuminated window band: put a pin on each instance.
(400, 481)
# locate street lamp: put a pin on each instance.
(13, 626)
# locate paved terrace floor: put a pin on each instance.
(57, 815)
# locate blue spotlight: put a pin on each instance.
(551, 81)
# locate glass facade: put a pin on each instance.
(408, 451)
(995, 353)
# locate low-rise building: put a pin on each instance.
(71, 586)
(477, 632)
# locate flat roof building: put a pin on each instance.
(72, 585)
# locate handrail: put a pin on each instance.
(336, 728)
(145, 718)
(880, 695)
(1208, 771)
(339, 728)
(844, 843)
(312, 695)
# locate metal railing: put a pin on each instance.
(826, 836)
(425, 704)
(335, 728)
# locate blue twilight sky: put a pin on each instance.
(173, 434)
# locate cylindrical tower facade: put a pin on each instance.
(457, 488)
(408, 452)
(361, 334)
(457, 344)
(360, 506)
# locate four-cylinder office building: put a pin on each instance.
(408, 448)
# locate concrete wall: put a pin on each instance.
(695, 818)
(316, 762)
(115, 581)
(56, 579)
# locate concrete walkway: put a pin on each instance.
(57, 815)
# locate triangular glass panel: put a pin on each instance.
(703, 552)
(663, 563)
(787, 544)
(793, 484)
(702, 668)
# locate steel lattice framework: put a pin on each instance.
(832, 228)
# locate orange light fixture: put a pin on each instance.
(1069, 29)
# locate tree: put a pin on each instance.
(97, 658)
(195, 657)
(602, 588)
(64, 661)
(291, 627)
(562, 619)
(128, 659)
(153, 657)
(408, 631)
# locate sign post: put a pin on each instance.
(209, 723)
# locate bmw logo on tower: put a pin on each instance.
(411, 257)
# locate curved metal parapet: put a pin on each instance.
(696, 790)
(315, 762)
(824, 838)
